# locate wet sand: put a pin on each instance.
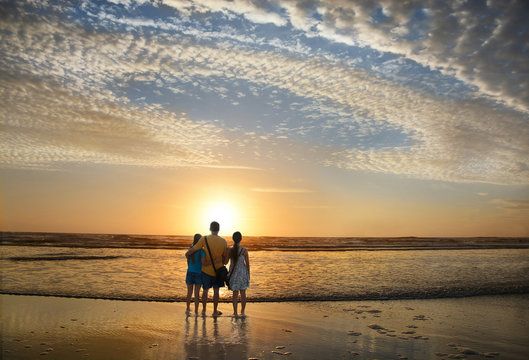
(63, 328)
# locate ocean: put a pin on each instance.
(153, 268)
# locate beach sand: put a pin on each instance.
(65, 328)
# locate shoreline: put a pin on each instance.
(277, 300)
(493, 326)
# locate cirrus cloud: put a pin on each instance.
(113, 88)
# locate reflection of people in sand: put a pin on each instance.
(215, 339)
(239, 272)
(218, 246)
(194, 275)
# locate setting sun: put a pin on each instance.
(223, 213)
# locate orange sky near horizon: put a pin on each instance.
(169, 202)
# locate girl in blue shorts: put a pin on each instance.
(194, 275)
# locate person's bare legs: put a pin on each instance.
(243, 301)
(197, 297)
(189, 293)
(235, 301)
(216, 301)
(204, 300)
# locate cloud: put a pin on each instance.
(84, 94)
(512, 204)
(258, 11)
(280, 190)
(234, 167)
(46, 126)
(481, 43)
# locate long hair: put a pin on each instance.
(237, 237)
(195, 240)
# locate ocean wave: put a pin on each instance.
(62, 257)
(158, 275)
(261, 243)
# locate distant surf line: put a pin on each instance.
(63, 258)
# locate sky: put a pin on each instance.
(273, 117)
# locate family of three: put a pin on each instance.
(205, 257)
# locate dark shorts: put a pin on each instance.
(209, 281)
(193, 278)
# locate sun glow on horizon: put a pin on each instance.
(224, 213)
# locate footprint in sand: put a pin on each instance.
(420, 337)
(354, 333)
(456, 356)
(491, 354)
(375, 327)
(282, 353)
(468, 351)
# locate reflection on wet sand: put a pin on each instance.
(203, 340)
(61, 328)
